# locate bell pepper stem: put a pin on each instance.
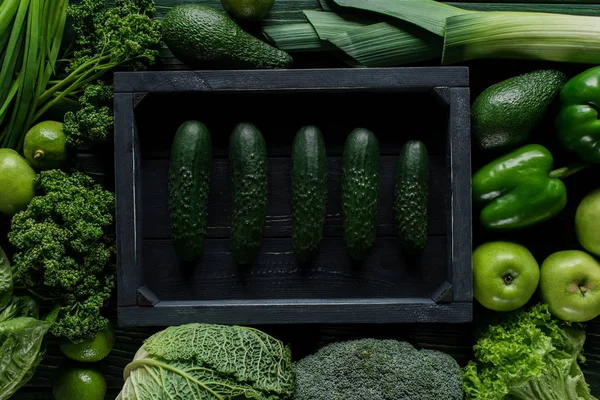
(569, 170)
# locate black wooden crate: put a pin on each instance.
(398, 104)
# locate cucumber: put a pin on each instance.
(248, 164)
(411, 195)
(360, 192)
(188, 189)
(309, 192)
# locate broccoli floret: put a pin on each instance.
(377, 369)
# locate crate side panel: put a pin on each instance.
(127, 180)
(344, 79)
(459, 128)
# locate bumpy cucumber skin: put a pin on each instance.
(360, 192)
(411, 196)
(248, 164)
(309, 192)
(188, 189)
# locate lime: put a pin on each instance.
(79, 384)
(45, 145)
(16, 182)
(91, 350)
(247, 10)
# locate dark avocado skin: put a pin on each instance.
(188, 189)
(360, 192)
(309, 192)
(248, 166)
(203, 37)
(504, 114)
(411, 195)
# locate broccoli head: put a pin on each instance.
(377, 369)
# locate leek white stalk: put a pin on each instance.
(522, 35)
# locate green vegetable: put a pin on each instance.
(16, 181)
(377, 369)
(126, 36)
(22, 349)
(31, 33)
(65, 250)
(527, 355)
(519, 189)
(504, 115)
(309, 191)
(248, 164)
(360, 191)
(411, 192)
(188, 189)
(578, 121)
(202, 361)
(20, 306)
(203, 37)
(6, 280)
(93, 122)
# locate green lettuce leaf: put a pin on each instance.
(21, 350)
(528, 356)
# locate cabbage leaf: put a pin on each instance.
(209, 362)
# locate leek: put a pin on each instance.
(522, 35)
(295, 37)
(385, 45)
(328, 24)
(427, 14)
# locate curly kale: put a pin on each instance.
(377, 369)
(94, 122)
(126, 35)
(65, 250)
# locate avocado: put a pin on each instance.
(504, 115)
(203, 37)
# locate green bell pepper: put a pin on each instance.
(578, 121)
(520, 189)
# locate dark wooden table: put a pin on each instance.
(456, 339)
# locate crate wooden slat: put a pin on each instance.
(430, 104)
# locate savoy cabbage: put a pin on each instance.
(209, 362)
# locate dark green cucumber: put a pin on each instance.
(411, 195)
(248, 163)
(360, 192)
(309, 191)
(188, 189)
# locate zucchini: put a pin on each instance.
(360, 192)
(411, 195)
(309, 192)
(188, 189)
(248, 164)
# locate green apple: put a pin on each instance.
(570, 285)
(587, 222)
(505, 275)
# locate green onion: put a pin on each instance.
(385, 45)
(427, 14)
(575, 9)
(295, 37)
(522, 35)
